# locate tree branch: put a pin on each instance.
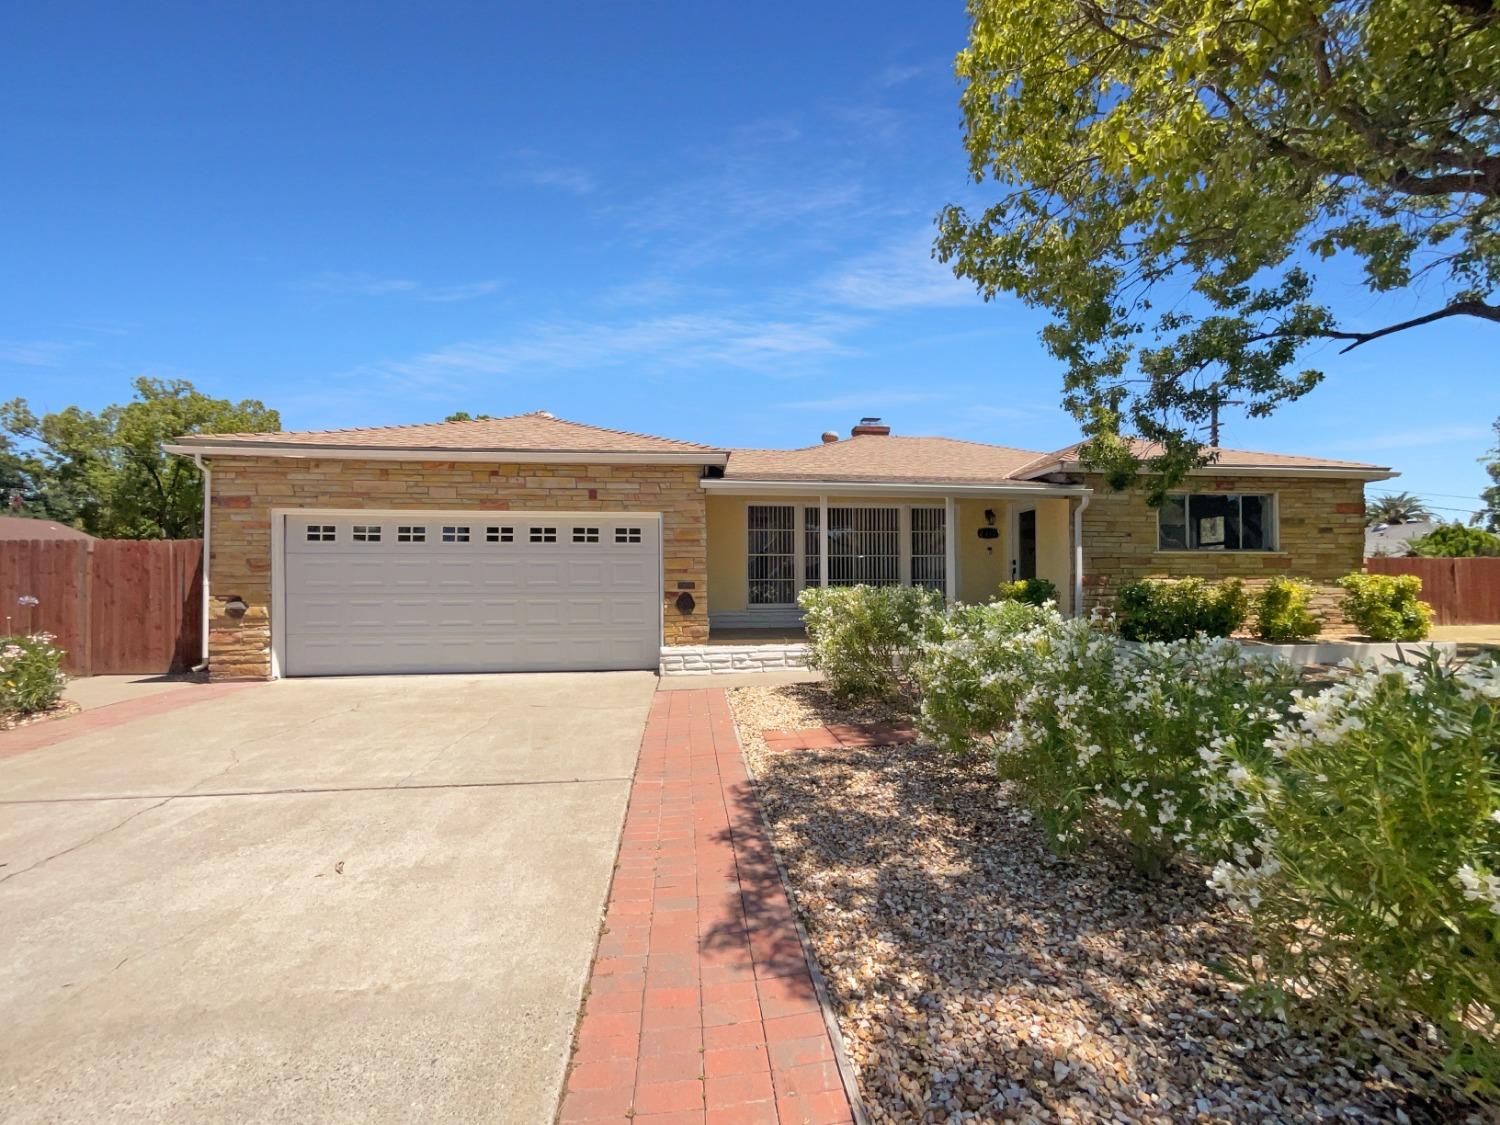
(1457, 308)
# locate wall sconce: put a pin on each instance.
(989, 516)
(235, 607)
(685, 603)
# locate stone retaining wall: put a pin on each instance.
(687, 660)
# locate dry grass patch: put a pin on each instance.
(979, 977)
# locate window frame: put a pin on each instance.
(1271, 529)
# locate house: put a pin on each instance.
(1395, 538)
(24, 527)
(531, 542)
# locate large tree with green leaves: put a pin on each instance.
(106, 472)
(1489, 515)
(1173, 172)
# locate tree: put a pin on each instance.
(106, 472)
(1455, 541)
(465, 416)
(1401, 507)
(1489, 515)
(1173, 170)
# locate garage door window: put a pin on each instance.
(455, 535)
(585, 535)
(367, 533)
(413, 534)
(320, 533)
(499, 534)
(627, 535)
(544, 535)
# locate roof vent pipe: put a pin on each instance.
(871, 426)
(829, 437)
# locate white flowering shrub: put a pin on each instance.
(1152, 738)
(1376, 894)
(864, 638)
(974, 669)
(31, 676)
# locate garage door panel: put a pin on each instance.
(464, 594)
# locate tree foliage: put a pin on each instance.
(106, 472)
(1398, 507)
(1171, 172)
(1489, 515)
(465, 416)
(1455, 541)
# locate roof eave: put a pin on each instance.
(1344, 472)
(735, 486)
(300, 451)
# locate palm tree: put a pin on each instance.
(1400, 507)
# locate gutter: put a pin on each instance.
(1083, 503)
(741, 487)
(207, 554)
(1345, 472)
(716, 457)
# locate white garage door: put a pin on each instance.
(470, 592)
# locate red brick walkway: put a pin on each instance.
(701, 1007)
(37, 736)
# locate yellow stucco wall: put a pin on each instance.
(727, 539)
(982, 563)
(1053, 549)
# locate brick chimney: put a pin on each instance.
(871, 426)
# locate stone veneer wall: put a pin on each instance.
(1322, 538)
(245, 489)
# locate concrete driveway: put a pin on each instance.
(351, 900)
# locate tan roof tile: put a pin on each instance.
(920, 460)
(537, 432)
(1222, 459)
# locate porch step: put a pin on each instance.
(698, 660)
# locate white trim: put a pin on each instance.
(823, 540)
(1370, 474)
(1077, 607)
(208, 555)
(861, 488)
(494, 456)
(279, 517)
(950, 549)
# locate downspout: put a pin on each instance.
(1083, 502)
(207, 556)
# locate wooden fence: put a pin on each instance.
(115, 605)
(1460, 591)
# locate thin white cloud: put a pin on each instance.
(334, 283)
(896, 75)
(535, 168)
(35, 353)
(899, 274)
(686, 340)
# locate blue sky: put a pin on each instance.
(705, 220)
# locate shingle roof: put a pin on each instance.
(1222, 459)
(537, 432)
(20, 527)
(870, 457)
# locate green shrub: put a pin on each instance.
(975, 668)
(1455, 541)
(31, 677)
(1172, 610)
(1385, 607)
(1374, 893)
(1032, 591)
(864, 638)
(1281, 612)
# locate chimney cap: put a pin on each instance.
(829, 437)
(870, 426)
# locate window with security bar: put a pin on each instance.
(772, 562)
(929, 548)
(864, 546)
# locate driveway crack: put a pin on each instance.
(85, 843)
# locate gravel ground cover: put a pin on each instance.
(979, 977)
(59, 710)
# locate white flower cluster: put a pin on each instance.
(1480, 886)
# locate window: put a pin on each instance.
(320, 533)
(812, 551)
(772, 555)
(543, 535)
(1216, 521)
(367, 533)
(585, 535)
(455, 535)
(499, 534)
(627, 535)
(929, 548)
(415, 533)
(864, 546)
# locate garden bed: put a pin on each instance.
(58, 710)
(978, 976)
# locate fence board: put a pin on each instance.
(115, 605)
(1460, 591)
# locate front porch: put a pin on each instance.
(769, 541)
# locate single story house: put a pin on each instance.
(1395, 538)
(531, 542)
(25, 527)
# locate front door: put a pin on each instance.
(1026, 544)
